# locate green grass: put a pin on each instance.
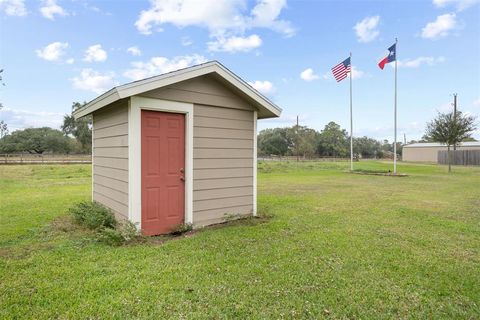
(335, 245)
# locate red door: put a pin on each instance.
(163, 163)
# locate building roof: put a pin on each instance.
(266, 108)
(437, 144)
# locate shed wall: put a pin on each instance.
(222, 163)
(428, 154)
(110, 157)
(222, 148)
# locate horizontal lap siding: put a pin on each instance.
(205, 90)
(222, 147)
(110, 157)
(222, 163)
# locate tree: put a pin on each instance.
(333, 141)
(273, 141)
(3, 125)
(81, 128)
(36, 140)
(301, 140)
(450, 129)
(367, 147)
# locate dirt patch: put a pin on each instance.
(375, 173)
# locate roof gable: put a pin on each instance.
(266, 108)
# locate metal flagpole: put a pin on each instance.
(395, 115)
(351, 116)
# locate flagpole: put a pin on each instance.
(395, 114)
(351, 116)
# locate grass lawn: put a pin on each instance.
(333, 245)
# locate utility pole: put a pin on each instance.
(296, 142)
(455, 114)
(404, 138)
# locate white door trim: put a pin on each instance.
(135, 151)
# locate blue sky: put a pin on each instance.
(57, 52)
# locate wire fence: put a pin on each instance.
(294, 158)
(29, 158)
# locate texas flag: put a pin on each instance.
(390, 58)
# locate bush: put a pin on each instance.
(181, 228)
(125, 232)
(92, 215)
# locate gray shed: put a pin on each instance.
(177, 148)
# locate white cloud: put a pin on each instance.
(52, 52)
(476, 103)
(186, 41)
(95, 81)
(218, 16)
(441, 27)
(264, 87)
(235, 44)
(21, 119)
(444, 107)
(134, 51)
(95, 53)
(366, 30)
(70, 61)
(415, 63)
(159, 65)
(226, 20)
(308, 75)
(357, 74)
(13, 7)
(265, 15)
(459, 4)
(50, 8)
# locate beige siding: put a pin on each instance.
(222, 148)
(428, 154)
(222, 163)
(110, 157)
(204, 90)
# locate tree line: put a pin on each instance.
(332, 141)
(74, 137)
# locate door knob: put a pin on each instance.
(182, 170)
(182, 178)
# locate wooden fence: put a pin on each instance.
(28, 158)
(460, 157)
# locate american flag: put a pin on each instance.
(340, 70)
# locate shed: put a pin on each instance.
(428, 151)
(177, 148)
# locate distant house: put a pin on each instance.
(178, 148)
(428, 151)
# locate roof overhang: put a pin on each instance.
(266, 108)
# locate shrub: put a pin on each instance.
(181, 228)
(92, 215)
(124, 233)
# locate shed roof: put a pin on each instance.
(437, 144)
(266, 108)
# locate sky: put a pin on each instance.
(55, 52)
